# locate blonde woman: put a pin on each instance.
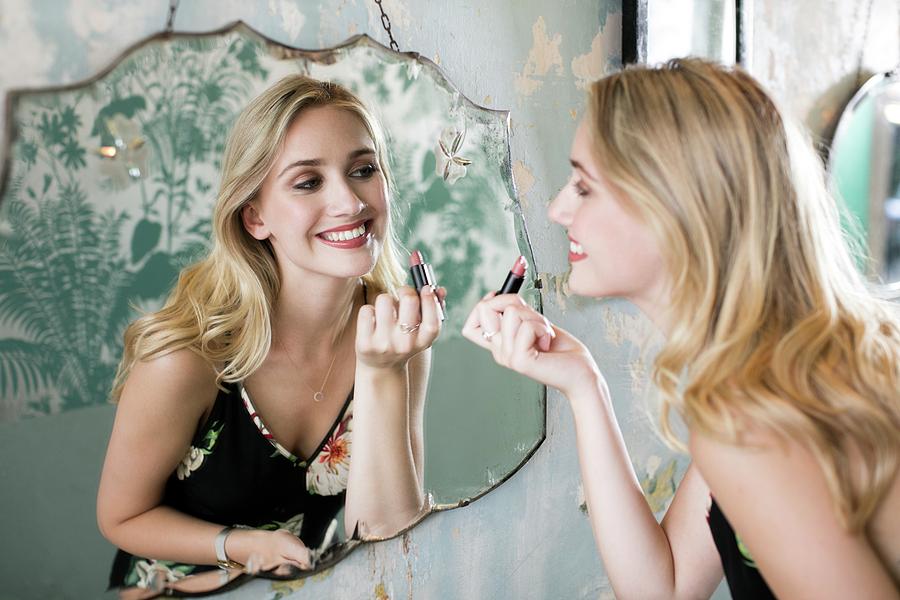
(237, 400)
(694, 198)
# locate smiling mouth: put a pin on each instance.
(576, 252)
(351, 236)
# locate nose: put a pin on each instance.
(563, 207)
(343, 200)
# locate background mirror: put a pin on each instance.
(107, 193)
(655, 31)
(865, 166)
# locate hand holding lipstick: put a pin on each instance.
(390, 332)
(522, 339)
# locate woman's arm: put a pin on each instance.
(384, 487)
(162, 404)
(776, 499)
(643, 559)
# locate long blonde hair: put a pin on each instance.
(221, 306)
(771, 322)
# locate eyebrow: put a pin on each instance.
(581, 168)
(315, 162)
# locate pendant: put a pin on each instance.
(318, 397)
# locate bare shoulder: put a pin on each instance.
(179, 378)
(776, 497)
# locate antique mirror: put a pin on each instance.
(107, 192)
(864, 165)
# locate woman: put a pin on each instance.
(693, 197)
(234, 400)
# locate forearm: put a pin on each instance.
(164, 533)
(383, 489)
(627, 534)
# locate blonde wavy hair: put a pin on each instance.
(771, 322)
(221, 306)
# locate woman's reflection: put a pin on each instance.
(238, 399)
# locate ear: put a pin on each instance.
(253, 222)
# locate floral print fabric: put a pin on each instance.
(236, 473)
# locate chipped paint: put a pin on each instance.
(558, 285)
(574, 114)
(487, 101)
(637, 369)
(603, 56)
(292, 19)
(543, 56)
(380, 593)
(635, 328)
(581, 500)
(659, 488)
(524, 179)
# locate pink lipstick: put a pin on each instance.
(514, 279)
(422, 275)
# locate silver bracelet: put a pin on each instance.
(222, 559)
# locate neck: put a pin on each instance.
(313, 309)
(654, 303)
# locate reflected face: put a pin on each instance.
(323, 204)
(612, 251)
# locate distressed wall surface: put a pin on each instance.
(529, 538)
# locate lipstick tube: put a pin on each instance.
(422, 275)
(515, 278)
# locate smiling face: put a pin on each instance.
(323, 204)
(612, 250)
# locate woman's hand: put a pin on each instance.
(522, 339)
(261, 550)
(389, 333)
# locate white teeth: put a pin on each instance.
(343, 236)
(575, 248)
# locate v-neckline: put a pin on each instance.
(261, 426)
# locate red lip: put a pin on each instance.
(572, 256)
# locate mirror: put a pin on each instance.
(655, 31)
(107, 192)
(864, 165)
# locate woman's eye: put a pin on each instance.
(307, 184)
(579, 189)
(365, 171)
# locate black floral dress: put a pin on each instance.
(744, 579)
(235, 473)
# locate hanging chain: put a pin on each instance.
(386, 23)
(170, 20)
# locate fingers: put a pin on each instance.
(514, 335)
(295, 551)
(385, 316)
(430, 326)
(408, 311)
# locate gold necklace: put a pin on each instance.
(318, 396)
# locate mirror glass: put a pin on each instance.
(704, 28)
(107, 192)
(864, 164)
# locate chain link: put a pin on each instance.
(386, 23)
(170, 20)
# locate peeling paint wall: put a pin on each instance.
(530, 537)
(813, 55)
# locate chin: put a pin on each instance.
(579, 285)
